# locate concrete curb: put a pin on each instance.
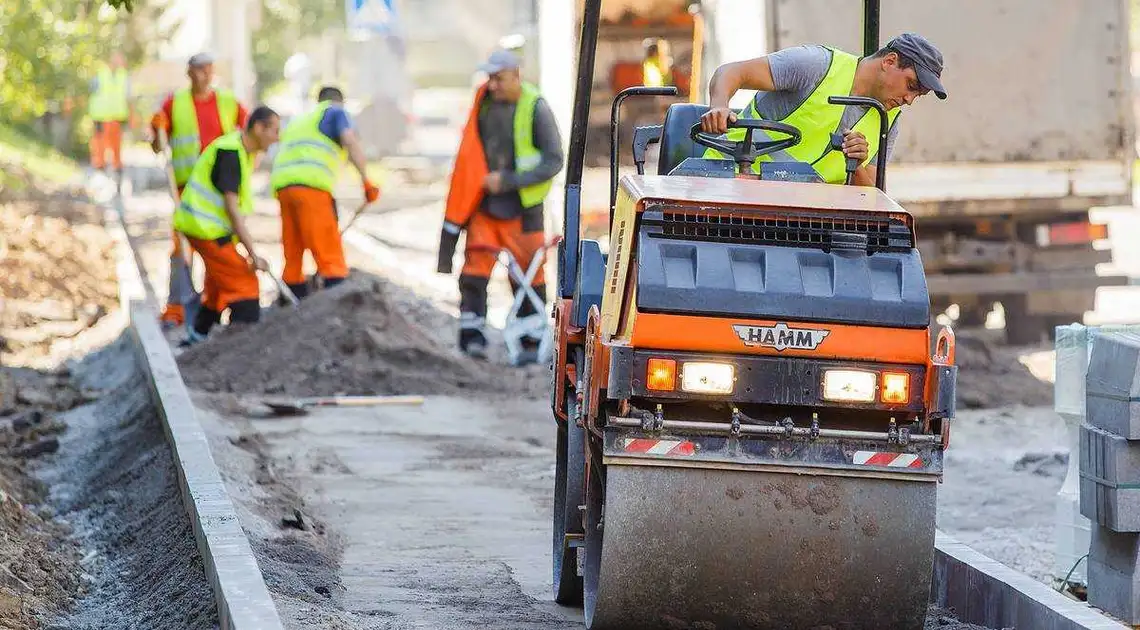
(985, 592)
(242, 598)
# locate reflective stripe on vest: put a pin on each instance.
(202, 211)
(817, 120)
(307, 156)
(109, 102)
(527, 156)
(185, 143)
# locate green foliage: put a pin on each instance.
(50, 51)
(283, 24)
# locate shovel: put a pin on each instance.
(352, 219)
(300, 406)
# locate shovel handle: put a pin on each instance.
(364, 401)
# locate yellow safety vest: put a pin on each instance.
(109, 102)
(817, 120)
(307, 156)
(528, 156)
(202, 211)
(185, 143)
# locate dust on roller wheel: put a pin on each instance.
(672, 547)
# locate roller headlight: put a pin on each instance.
(849, 385)
(701, 377)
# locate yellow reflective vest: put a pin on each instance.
(307, 157)
(185, 143)
(817, 120)
(528, 156)
(109, 102)
(202, 211)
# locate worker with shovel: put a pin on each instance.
(305, 172)
(191, 118)
(217, 196)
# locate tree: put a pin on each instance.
(49, 50)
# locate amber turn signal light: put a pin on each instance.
(661, 375)
(896, 388)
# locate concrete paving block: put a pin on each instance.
(1114, 586)
(1112, 387)
(1071, 364)
(987, 593)
(1110, 479)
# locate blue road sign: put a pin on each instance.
(377, 16)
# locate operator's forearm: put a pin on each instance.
(724, 83)
(232, 204)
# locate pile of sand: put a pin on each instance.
(991, 375)
(366, 336)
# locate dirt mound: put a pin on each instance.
(990, 375)
(57, 275)
(366, 336)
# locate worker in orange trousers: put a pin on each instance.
(305, 173)
(109, 107)
(192, 117)
(217, 198)
(507, 159)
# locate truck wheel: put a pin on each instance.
(972, 316)
(1021, 328)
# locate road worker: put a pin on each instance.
(192, 118)
(217, 196)
(305, 172)
(110, 109)
(793, 87)
(509, 153)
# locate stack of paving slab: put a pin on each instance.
(1108, 463)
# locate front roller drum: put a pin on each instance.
(678, 547)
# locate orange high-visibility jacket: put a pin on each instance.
(466, 190)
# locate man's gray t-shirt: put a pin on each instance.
(796, 72)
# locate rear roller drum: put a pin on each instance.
(567, 518)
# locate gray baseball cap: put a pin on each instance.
(926, 57)
(201, 59)
(500, 60)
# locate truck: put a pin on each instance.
(1001, 177)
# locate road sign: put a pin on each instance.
(375, 16)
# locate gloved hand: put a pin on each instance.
(447, 243)
(371, 192)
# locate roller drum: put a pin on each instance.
(712, 548)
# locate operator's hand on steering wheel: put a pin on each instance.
(717, 120)
(855, 145)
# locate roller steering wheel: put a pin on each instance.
(744, 152)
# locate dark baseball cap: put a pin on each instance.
(926, 57)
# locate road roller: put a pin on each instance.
(752, 402)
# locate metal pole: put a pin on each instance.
(575, 163)
(870, 27)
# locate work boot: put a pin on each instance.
(472, 341)
(528, 353)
